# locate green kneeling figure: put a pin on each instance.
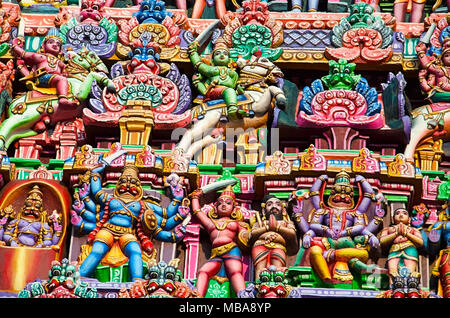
(218, 80)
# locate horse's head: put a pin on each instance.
(88, 60)
(261, 66)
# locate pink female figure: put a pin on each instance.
(224, 223)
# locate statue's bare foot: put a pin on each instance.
(64, 102)
(233, 112)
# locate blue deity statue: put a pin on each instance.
(125, 218)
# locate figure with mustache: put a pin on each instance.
(228, 233)
(92, 11)
(438, 244)
(273, 236)
(403, 240)
(144, 56)
(123, 219)
(255, 12)
(218, 80)
(31, 227)
(47, 66)
(152, 11)
(338, 231)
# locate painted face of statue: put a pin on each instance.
(341, 196)
(128, 187)
(361, 12)
(32, 207)
(221, 57)
(446, 58)
(52, 46)
(255, 12)
(274, 206)
(341, 75)
(271, 284)
(92, 9)
(152, 11)
(162, 280)
(225, 206)
(401, 216)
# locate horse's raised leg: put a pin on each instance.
(278, 94)
(201, 127)
(85, 87)
(419, 131)
(18, 125)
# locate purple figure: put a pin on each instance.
(31, 227)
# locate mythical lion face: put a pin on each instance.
(92, 9)
(271, 283)
(162, 278)
(341, 75)
(255, 12)
(152, 11)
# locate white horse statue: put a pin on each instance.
(427, 121)
(259, 77)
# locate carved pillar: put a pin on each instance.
(343, 138)
(211, 154)
(428, 154)
(136, 123)
(250, 150)
(28, 148)
(167, 251)
(67, 136)
(192, 241)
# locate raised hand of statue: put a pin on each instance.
(403, 229)
(75, 219)
(78, 205)
(192, 47)
(3, 220)
(197, 193)
(19, 41)
(184, 210)
(421, 46)
(83, 192)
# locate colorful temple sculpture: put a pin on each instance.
(215, 149)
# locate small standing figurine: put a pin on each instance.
(439, 243)
(414, 7)
(228, 233)
(403, 241)
(218, 80)
(47, 67)
(32, 227)
(434, 69)
(272, 236)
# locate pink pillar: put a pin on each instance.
(192, 241)
(28, 148)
